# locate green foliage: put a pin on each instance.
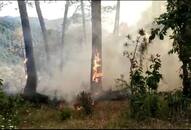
(65, 114)
(153, 75)
(143, 106)
(144, 102)
(85, 101)
(9, 109)
(178, 104)
(141, 84)
(9, 105)
(137, 81)
(178, 19)
(9, 22)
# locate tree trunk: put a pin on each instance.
(186, 78)
(31, 82)
(63, 34)
(116, 25)
(186, 82)
(83, 21)
(184, 56)
(96, 41)
(44, 31)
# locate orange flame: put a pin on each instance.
(96, 65)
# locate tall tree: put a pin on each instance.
(63, 33)
(83, 20)
(43, 28)
(117, 15)
(96, 63)
(178, 19)
(31, 82)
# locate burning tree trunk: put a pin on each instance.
(116, 25)
(96, 60)
(63, 33)
(83, 21)
(31, 76)
(43, 28)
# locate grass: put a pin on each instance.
(47, 117)
(107, 114)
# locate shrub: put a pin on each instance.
(177, 104)
(65, 114)
(143, 106)
(144, 101)
(85, 101)
(9, 109)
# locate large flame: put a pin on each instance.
(96, 64)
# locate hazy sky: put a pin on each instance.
(130, 10)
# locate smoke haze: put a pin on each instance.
(77, 58)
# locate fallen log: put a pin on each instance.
(36, 98)
(122, 94)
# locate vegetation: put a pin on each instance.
(85, 101)
(144, 101)
(65, 114)
(9, 109)
(177, 18)
(145, 107)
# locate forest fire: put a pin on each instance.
(97, 74)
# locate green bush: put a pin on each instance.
(151, 104)
(144, 101)
(65, 114)
(9, 109)
(143, 106)
(177, 104)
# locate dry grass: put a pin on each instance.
(46, 117)
(107, 114)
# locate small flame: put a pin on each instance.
(96, 65)
(26, 76)
(25, 61)
(78, 108)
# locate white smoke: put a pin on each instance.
(75, 76)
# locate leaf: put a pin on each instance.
(151, 37)
(161, 36)
(141, 32)
(129, 37)
(171, 51)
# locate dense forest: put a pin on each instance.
(90, 69)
